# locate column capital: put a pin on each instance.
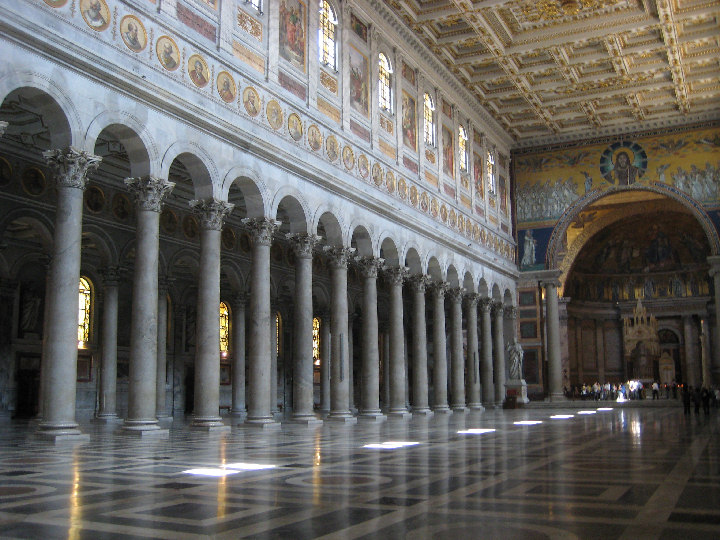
(510, 312)
(149, 191)
(419, 282)
(473, 299)
(339, 256)
(261, 229)
(439, 288)
(211, 212)
(486, 304)
(369, 266)
(498, 309)
(111, 274)
(3, 127)
(456, 294)
(547, 277)
(346, 10)
(71, 166)
(303, 244)
(397, 275)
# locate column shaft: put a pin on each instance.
(238, 348)
(457, 362)
(397, 344)
(325, 352)
(419, 347)
(472, 358)
(439, 349)
(160, 405)
(108, 371)
(339, 388)
(553, 343)
(370, 381)
(486, 367)
(499, 354)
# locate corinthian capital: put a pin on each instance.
(369, 266)
(396, 276)
(486, 305)
(339, 256)
(211, 212)
(456, 294)
(71, 166)
(439, 288)
(261, 229)
(419, 282)
(510, 312)
(149, 191)
(303, 244)
(472, 299)
(497, 309)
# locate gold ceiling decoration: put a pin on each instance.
(640, 61)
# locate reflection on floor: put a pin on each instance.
(619, 473)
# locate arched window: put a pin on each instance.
(224, 330)
(429, 114)
(490, 172)
(257, 4)
(316, 341)
(384, 89)
(462, 149)
(326, 35)
(84, 312)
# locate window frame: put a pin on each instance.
(463, 149)
(85, 326)
(323, 36)
(429, 121)
(384, 81)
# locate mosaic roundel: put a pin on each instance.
(363, 166)
(168, 53)
(377, 174)
(133, 33)
(348, 157)
(295, 127)
(95, 13)
(623, 163)
(226, 87)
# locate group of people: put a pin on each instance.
(700, 396)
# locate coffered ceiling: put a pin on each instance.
(558, 70)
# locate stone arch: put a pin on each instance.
(389, 252)
(47, 94)
(326, 221)
(361, 241)
(468, 282)
(255, 196)
(198, 163)
(483, 289)
(104, 243)
(290, 204)
(508, 298)
(235, 278)
(132, 134)
(496, 295)
(413, 261)
(36, 219)
(556, 241)
(434, 270)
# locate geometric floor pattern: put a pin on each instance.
(629, 473)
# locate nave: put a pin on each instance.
(624, 472)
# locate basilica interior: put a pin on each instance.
(243, 241)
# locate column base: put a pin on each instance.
(423, 411)
(476, 407)
(262, 422)
(210, 424)
(459, 408)
(61, 433)
(399, 413)
(558, 396)
(371, 417)
(306, 420)
(107, 419)
(442, 409)
(488, 405)
(144, 429)
(238, 413)
(342, 418)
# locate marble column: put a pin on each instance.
(351, 360)
(398, 408)
(420, 403)
(238, 348)
(705, 352)
(160, 392)
(457, 361)
(325, 352)
(274, 342)
(211, 214)
(486, 358)
(339, 388)
(439, 348)
(303, 245)
(555, 390)
(108, 367)
(259, 387)
(60, 344)
(715, 343)
(149, 193)
(498, 353)
(472, 357)
(370, 380)
(692, 369)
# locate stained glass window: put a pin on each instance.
(326, 35)
(429, 113)
(384, 90)
(224, 329)
(84, 308)
(316, 341)
(462, 149)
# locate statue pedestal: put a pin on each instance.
(518, 387)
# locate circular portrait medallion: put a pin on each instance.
(377, 174)
(251, 100)
(121, 206)
(424, 202)
(168, 53)
(332, 148)
(443, 213)
(295, 127)
(315, 138)
(94, 199)
(228, 238)
(413, 196)
(190, 227)
(133, 33)
(434, 209)
(274, 114)
(363, 166)
(33, 181)
(226, 87)
(198, 70)
(168, 221)
(402, 188)
(56, 3)
(95, 13)
(348, 157)
(390, 181)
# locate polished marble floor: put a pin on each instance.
(631, 473)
